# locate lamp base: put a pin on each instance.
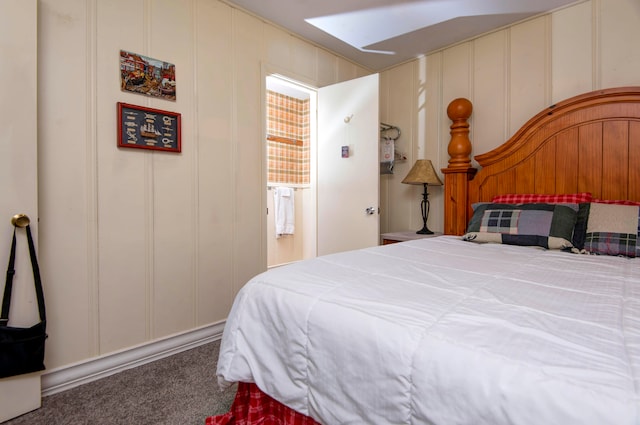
(424, 231)
(424, 208)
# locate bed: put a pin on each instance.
(506, 319)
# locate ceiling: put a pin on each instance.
(378, 34)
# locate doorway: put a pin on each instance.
(336, 209)
(290, 164)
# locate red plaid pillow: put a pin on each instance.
(534, 198)
(616, 202)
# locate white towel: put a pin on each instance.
(283, 204)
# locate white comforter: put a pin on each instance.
(441, 331)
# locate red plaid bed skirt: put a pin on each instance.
(253, 407)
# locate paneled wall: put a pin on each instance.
(137, 245)
(509, 75)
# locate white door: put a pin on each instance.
(18, 179)
(348, 167)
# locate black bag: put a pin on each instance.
(22, 349)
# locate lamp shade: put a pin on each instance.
(423, 172)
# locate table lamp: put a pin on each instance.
(423, 173)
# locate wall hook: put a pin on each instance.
(347, 119)
(20, 220)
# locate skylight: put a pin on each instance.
(363, 28)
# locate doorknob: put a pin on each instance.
(370, 210)
(20, 220)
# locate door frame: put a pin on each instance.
(310, 229)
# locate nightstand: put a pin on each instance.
(394, 237)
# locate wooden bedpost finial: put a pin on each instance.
(459, 149)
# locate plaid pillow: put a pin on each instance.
(547, 225)
(534, 198)
(613, 229)
(500, 221)
(580, 230)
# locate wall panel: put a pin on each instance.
(327, 68)
(457, 61)
(346, 70)
(277, 46)
(618, 34)
(304, 58)
(528, 71)
(403, 115)
(249, 255)
(490, 88)
(125, 195)
(213, 134)
(66, 135)
(386, 182)
(572, 51)
(428, 73)
(173, 178)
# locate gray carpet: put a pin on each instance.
(178, 390)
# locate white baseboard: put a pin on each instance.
(71, 376)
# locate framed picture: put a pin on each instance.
(148, 128)
(148, 76)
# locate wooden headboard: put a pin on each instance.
(588, 143)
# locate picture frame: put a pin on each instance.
(147, 76)
(140, 127)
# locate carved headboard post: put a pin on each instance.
(459, 171)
